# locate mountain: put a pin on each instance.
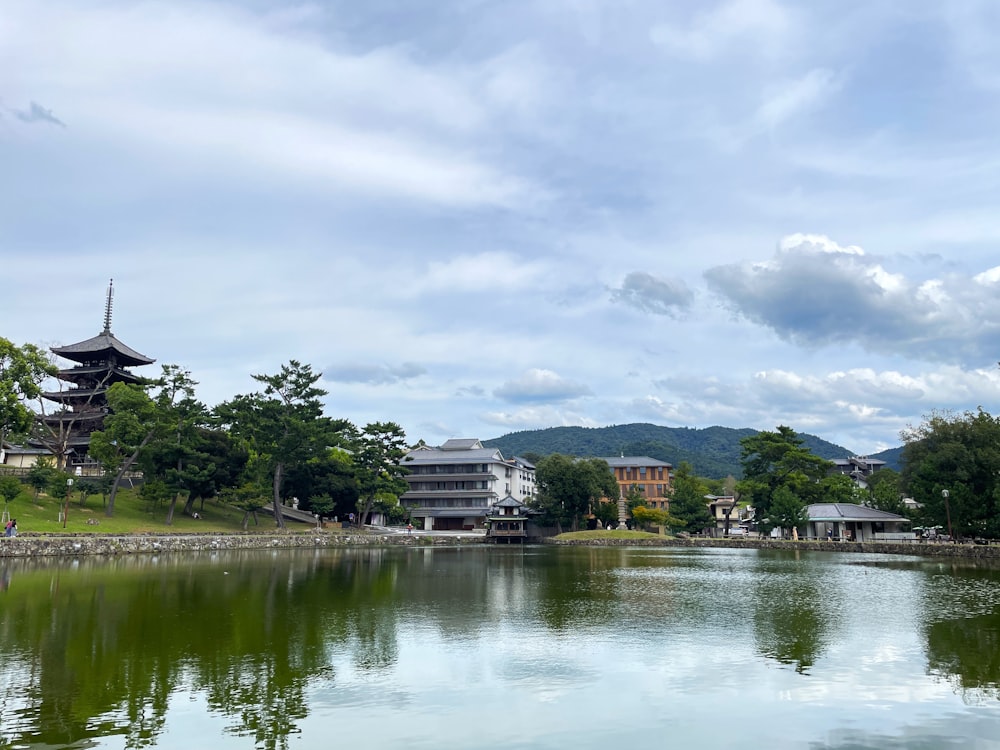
(714, 452)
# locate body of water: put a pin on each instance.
(535, 647)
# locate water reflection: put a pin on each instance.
(276, 645)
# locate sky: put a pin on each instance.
(476, 217)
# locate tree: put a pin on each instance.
(787, 510)
(840, 488)
(687, 501)
(249, 497)
(960, 454)
(282, 426)
(569, 488)
(135, 420)
(884, 492)
(377, 465)
(10, 488)
(777, 459)
(22, 370)
(653, 517)
(40, 474)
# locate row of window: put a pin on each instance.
(428, 486)
(451, 469)
(450, 502)
(631, 472)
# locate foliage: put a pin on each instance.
(39, 475)
(60, 484)
(653, 517)
(787, 510)
(960, 454)
(714, 452)
(377, 468)
(10, 488)
(687, 503)
(885, 493)
(248, 497)
(569, 488)
(321, 505)
(330, 474)
(134, 420)
(779, 459)
(22, 370)
(282, 426)
(840, 488)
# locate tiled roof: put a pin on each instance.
(849, 512)
(102, 342)
(627, 461)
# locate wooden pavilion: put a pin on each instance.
(507, 521)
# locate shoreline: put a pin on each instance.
(73, 545)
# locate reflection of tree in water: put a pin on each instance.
(966, 652)
(791, 625)
(110, 644)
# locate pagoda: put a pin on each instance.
(101, 361)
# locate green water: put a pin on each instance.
(500, 647)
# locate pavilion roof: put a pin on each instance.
(105, 341)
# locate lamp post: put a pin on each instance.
(69, 487)
(947, 512)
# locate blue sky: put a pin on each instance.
(477, 217)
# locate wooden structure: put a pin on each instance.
(100, 362)
(507, 521)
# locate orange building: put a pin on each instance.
(649, 475)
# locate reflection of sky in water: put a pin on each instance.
(632, 649)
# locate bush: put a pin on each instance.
(10, 488)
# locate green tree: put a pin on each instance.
(840, 488)
(39, 475)
(136, 419)
(569, 488)
(777, 459)
(960, 454)
(884, 492)
(283, 425)
(687, 501)
(10, 488)
(644, 516)
(787, 510)
(22, 371)
(249, 497)
(377, 465)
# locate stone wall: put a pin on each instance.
(126, 544)
(885, 548)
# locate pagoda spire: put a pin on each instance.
(107, 306)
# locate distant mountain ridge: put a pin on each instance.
(714, 452)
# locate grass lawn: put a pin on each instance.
(132, 516)
(606, 534)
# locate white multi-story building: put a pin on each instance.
(455, 486)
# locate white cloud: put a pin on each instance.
(755, 23)
(541, 385)
(795, 97)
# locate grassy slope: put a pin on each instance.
(132, 515)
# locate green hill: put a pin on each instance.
(714, 452)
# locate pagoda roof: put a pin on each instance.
(105, 341)
(74, 394)
(98, 373)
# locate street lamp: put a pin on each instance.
(69, 487)
(947, 512)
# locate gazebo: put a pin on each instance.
(507, 520)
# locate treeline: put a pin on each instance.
(267, 446)
(713, 451)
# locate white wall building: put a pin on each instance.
(453, 487)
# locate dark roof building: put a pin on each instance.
(100, 362)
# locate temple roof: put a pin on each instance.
(97, 374)
(105, 341)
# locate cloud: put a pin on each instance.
(540, 385)
(373, 374)
(754, 22)
(36, 113)
(650, 294)
(536, 418)
(796, 97)
(814, 293)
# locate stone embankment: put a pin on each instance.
(127, 544)
(884, 548)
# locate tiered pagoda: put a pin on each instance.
(101, 361)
